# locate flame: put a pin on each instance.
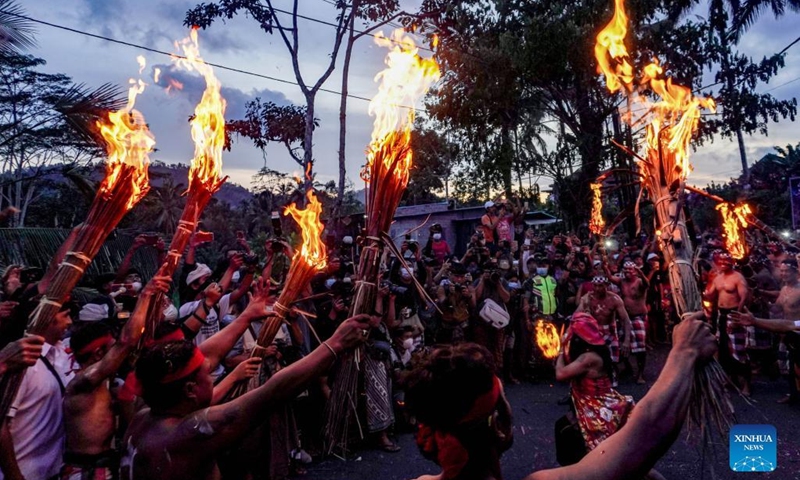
(313, 251)
(142, 63)
(597, 224)
(156, 74)
(610, 43)
(128, 143)
(673, 119)
(208, 123)
(547, 338)
(406, 79)
(734, 221)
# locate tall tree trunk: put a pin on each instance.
(743, 156)
(308, 142)
(343, 122)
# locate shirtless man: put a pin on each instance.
(789, 300)
(728, 291)
(179, 436)
(633, 286)
(88, 414)
(607, 308)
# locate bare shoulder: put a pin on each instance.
(615, 299)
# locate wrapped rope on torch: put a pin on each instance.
(205, 174)
(310, 259)
(671, 121)
(389, 158)
(128, 145)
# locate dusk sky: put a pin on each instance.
(239, 43)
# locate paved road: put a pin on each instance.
(535, 412)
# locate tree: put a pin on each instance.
(267, 16)
(16, 31)
(266, 122)
(45, 121)
(743, 110)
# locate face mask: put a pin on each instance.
(136, 286)
(408, 343)
(513, 285)
(437, 236)
(329, 283)
(405, 273)
(228, 319)
(541, 271)
(170, 313)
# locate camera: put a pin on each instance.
(30, 275)
(250, 259)
(395, 289)
(276, 245)
(413, 246)
(494, 276)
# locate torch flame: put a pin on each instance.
(610, 43)
(406, 79)
(312, 251)
(674, 117)
(128, 144)
(548, 339)
(597, 224)
(208, 122)
(734, 221)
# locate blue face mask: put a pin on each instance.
(541, 271)
(513, 285)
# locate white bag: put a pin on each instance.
(494, 314)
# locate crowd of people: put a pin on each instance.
(104, 395)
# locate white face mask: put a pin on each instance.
(408, 343)
(170, 313)
(541, 271)
(136, 286)
(437, 236)
(513, 285)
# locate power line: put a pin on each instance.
(173, 55)
(782, 85)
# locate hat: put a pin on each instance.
(488, 204)
(599, 280)
(628, 265)
(652, 256)
(93, 312)
(586, 327)
(200, 271)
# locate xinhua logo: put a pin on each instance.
(753, 448)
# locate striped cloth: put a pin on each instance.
(612, 340)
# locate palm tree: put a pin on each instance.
(16, 31)
(746, 14)
(168, 201)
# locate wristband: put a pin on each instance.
(335, 357)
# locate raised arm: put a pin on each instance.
(122, 271)
(655, 422)
(97, 373)
(773, 325)
(231, 421)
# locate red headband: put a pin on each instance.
(174, 336)
(191, 366)
(445, 447)
(95, 344)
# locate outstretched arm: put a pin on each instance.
(773, 325)
(231, 421)
(94, 375)
(654, 423)
(217, 347)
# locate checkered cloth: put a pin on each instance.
(737, 336)
(639, 333)
(612, 340)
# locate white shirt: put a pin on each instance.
(36, 416)
(212, 319)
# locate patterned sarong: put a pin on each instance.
(601, 410)
(378, 389)
(735, 336)
(89, 467)
(638, 333)
(612, 340)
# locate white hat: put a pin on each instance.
(651, 256)
(488, 204)
(200, 271)
(93, 312)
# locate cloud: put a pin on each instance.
(190, 86)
